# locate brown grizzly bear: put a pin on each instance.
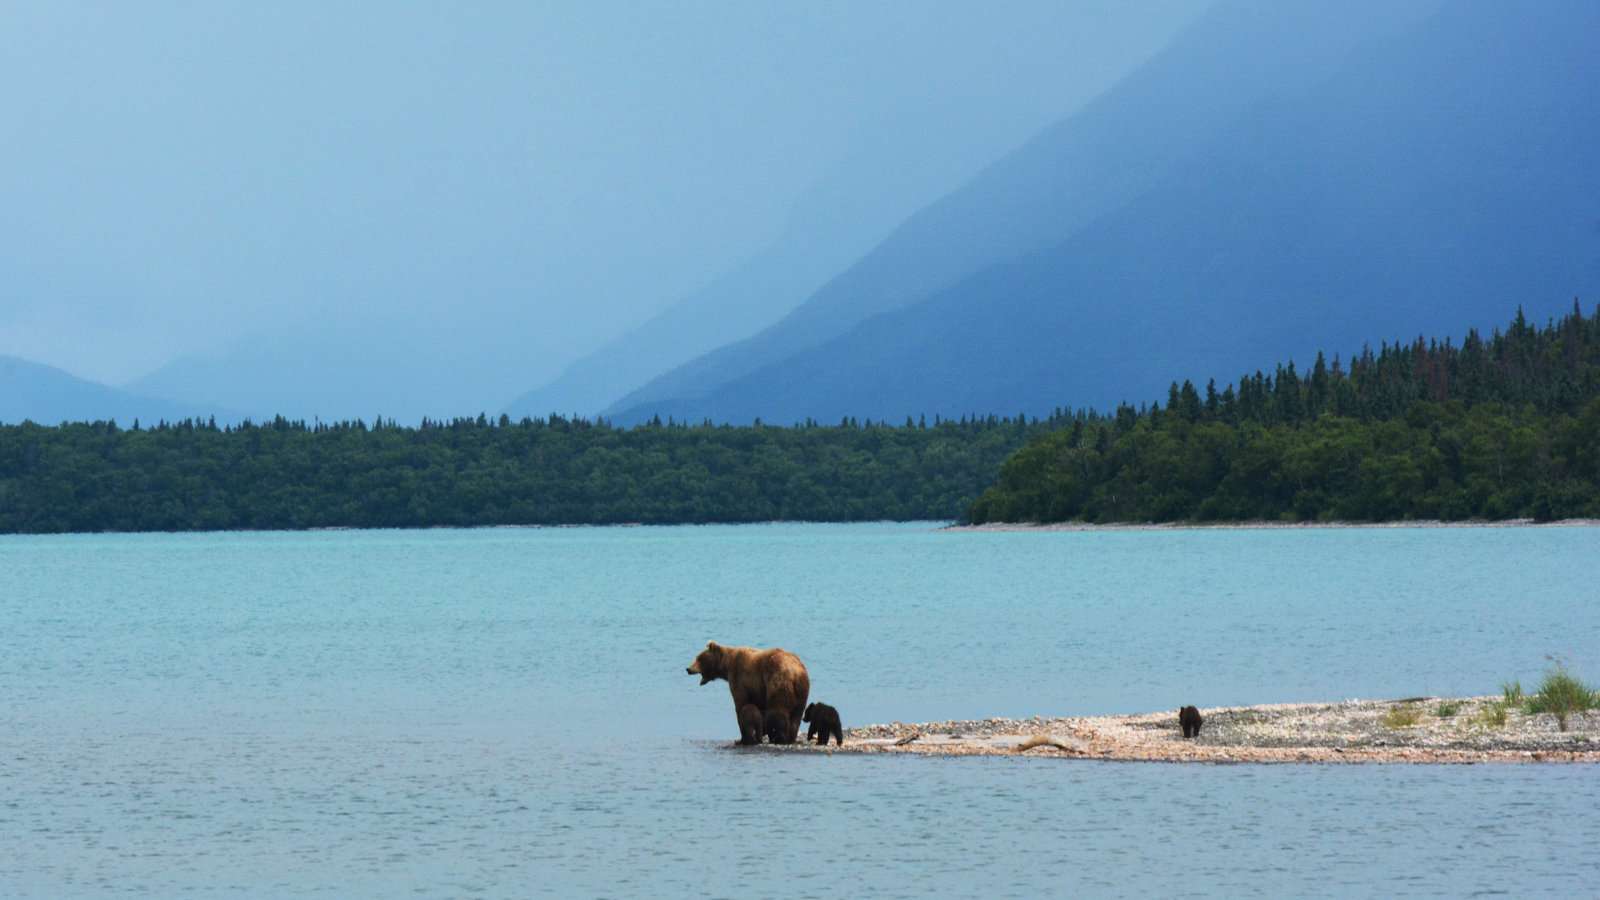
(774, 680)
(1190, 721)
(824, 721)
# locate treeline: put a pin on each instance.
(556, 471)
(1496, 428)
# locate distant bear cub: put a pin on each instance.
(824, 721)
(1190, 721)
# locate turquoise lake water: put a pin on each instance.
(504, 712)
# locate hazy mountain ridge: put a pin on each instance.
(831, 224)
(1069, 176)
(478, 214)
(335, 371)
(842, 218)
(1442, 175)
(34, 392)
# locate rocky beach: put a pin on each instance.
(1414, 730)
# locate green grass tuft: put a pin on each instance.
(1561, 694)
(1447, 708)
(1512, 692)
(1403, 716)
(1493, 715)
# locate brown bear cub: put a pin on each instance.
(824, 721)
(1190, 721)
(750, 724)
(773, 681)
(777, 725)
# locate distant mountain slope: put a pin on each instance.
(31, 391)
(335, 372)
(887, 171)
(1079, 170)
(832, 224)
(1441, 176)
(738, 303)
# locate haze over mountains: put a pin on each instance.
(323, 212)
(893, 169)
(1062, 179)
(48, 396)
(832, 225)
(1282, 179)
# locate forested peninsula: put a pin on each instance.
(284, 474)
(1496, 428)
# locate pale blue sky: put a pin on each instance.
(175, 177)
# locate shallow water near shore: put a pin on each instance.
(504, 712)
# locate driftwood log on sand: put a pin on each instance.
(1041, 740)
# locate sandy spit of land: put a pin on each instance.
(1245, 526)
(1460, 730)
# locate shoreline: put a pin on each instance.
(1440, 730)
(1262, 525)
(937, 525)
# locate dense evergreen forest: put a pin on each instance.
(1501, 427)
(1496, 428)
(290, 475)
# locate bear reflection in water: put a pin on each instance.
(769, 688)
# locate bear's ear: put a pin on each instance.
(712, 645)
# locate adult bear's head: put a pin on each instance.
(709, 665)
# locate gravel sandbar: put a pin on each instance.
(1460, 730)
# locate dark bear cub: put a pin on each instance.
(777, 726)
(824, 721)
(750, 724)
(1190, 721)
